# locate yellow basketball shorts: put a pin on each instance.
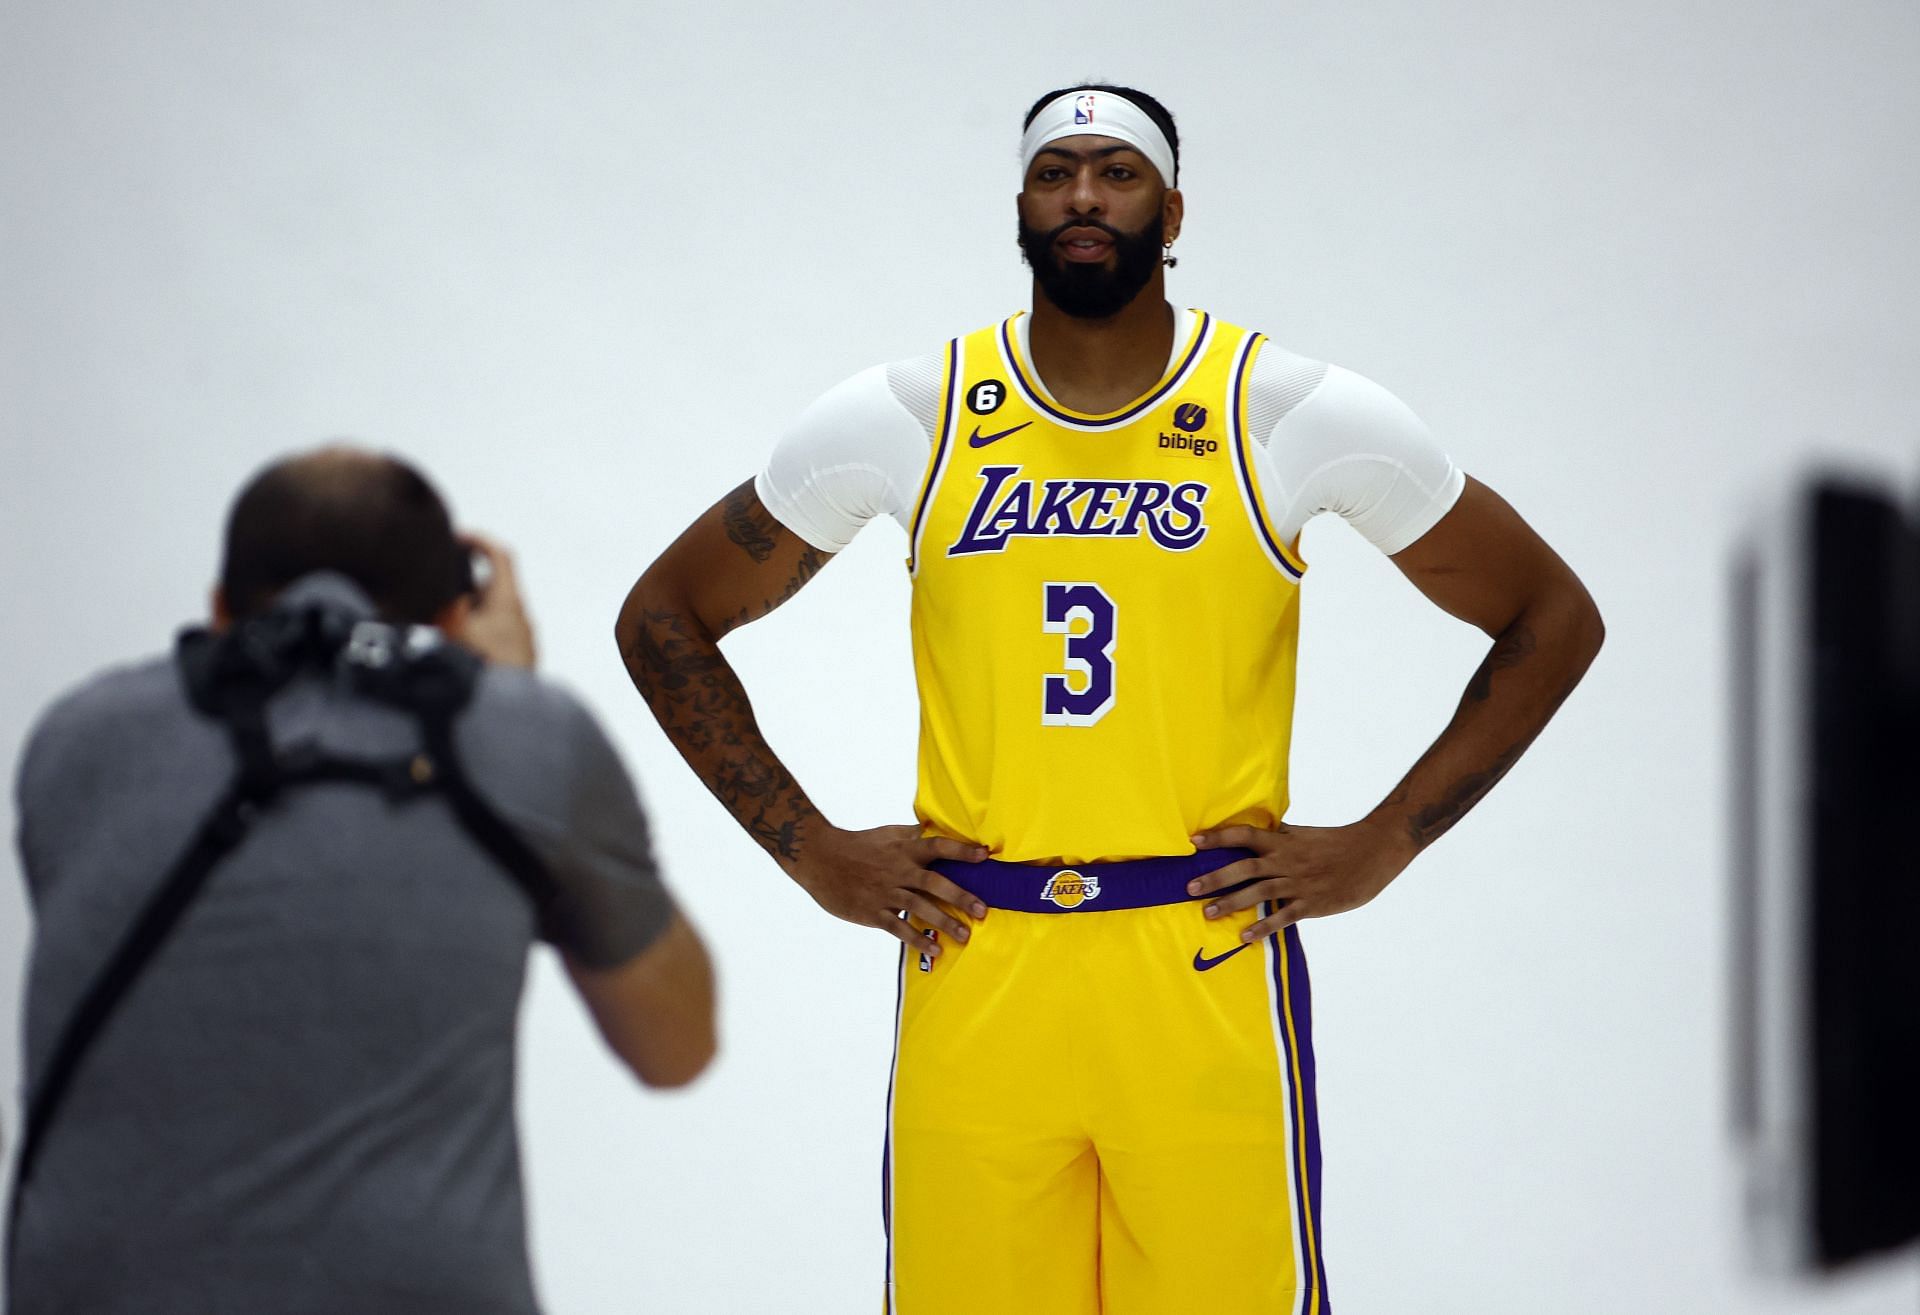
(1104, 1108)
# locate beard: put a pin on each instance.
(1093, 292)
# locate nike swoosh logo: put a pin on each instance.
(979, 439)
(1201, 963)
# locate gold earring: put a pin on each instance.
(1168, 258)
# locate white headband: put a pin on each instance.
(1099, 114)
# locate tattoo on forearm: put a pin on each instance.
(676, 664)
(748, 525)
(1514, 646)
(701, 704)
(1435, 820)
(704, 710)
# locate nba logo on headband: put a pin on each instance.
(1075, 114)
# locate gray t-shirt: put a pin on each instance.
(306, 1103)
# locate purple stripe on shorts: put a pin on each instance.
(1295, 994)
(886, 1141)
(1136, 883)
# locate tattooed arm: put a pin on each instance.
(733, 565)
(1485, 565)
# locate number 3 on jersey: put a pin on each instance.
(1087, 617)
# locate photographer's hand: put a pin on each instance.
(496, 625)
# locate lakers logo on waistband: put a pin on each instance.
(1070, 889)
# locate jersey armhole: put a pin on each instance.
(1285, 557)
(937, 461)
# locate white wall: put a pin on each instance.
(582, 260)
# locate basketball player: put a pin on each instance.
(1103, 1092)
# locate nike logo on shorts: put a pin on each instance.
(979, 439)
(1201, 963)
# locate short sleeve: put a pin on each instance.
(612, 902)
(856, 453)
(544, 762)
(1350, 447)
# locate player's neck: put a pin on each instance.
(1098, 366)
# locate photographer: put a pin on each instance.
(285, 882)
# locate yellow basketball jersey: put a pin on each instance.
(1104, 621)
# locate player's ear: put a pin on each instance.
(217, 607)
(1173, 208)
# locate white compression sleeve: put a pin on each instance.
(1350, 447)
(856, 453)
(1337, 442)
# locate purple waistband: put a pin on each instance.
(1135, 883)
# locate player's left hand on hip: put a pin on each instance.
(1309, 871)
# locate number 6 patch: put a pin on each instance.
(1088, 618)
(985, 397)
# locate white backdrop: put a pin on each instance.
(582, 260)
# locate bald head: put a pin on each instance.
(367, 516)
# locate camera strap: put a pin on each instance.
(232, 678)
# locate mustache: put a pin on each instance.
(1053, 234)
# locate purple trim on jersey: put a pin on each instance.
(1040, 403)
(1137, 883)
(1295, 996)
(939, 454)
(1241, 441)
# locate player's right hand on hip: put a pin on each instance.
(874, 877)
